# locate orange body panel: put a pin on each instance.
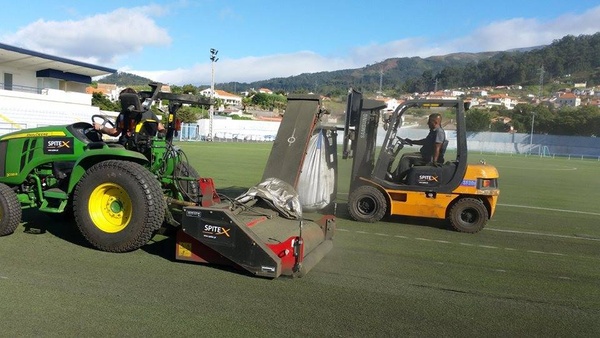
(435, 205)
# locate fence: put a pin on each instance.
(227, 130)
(489, 142)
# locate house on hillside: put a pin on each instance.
(40, 89)
(501, 100)
(391, 104)
(111, 91)
(568, 100)
(444, 95)
(479, 92)
(226, 97)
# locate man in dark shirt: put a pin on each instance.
(127, 121)
(429, 154)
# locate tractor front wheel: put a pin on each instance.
(367, 204)
(468, 215)
(118, 205)
(10, 210)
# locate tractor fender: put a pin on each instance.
(93, 156)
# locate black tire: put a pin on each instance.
(118, 205)
(10, 210)
(367, 204)
(468, 215)
(189, 189)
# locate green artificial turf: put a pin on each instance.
(533, 271)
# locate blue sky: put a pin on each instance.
(169, 41)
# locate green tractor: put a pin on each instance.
(123, 193)
(117, 193)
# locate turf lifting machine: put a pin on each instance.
(123, 194)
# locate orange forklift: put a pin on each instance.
(462, 193)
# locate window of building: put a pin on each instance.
(8, 81)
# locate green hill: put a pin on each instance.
(125, 79)
(567, 60)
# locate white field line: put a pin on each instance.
(538, 169)
(444, 242)
(550, 209)
(542, 234)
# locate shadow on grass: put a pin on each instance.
(59, 225)
(342, 213)
(165, 246)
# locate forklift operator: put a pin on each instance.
(429, 154)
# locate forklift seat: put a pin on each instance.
(441, 172)
(443, 152)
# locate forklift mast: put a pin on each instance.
(360, 134)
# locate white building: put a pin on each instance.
(568, 99)
(227, 98)
(502, 100)
(38, 89)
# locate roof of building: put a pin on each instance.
(568, 96)
(21, 58)
(224, 93)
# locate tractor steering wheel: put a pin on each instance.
(105, 120)
(97, 134)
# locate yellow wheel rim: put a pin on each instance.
(110, 207)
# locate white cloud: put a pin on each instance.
(249, 69)
(363, 55)
(500, 35)
(106, 38)
(98, 39)
(521, 32)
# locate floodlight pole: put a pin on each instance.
(211, 111)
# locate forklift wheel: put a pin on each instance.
(367, 204)
(468, 215)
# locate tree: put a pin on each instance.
(188, 114)
(477, 120)
(102, 102)
(189, 89)
(269, 101)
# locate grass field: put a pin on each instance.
(533, 271)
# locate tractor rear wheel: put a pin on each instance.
(10, 210)
(367, 204)
(118, 205)
(468, 215)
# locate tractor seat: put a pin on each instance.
(130, 102)
(146, 128)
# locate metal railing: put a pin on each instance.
(22, 89)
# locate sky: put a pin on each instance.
(170, 41)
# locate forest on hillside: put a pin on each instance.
(569, 59)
